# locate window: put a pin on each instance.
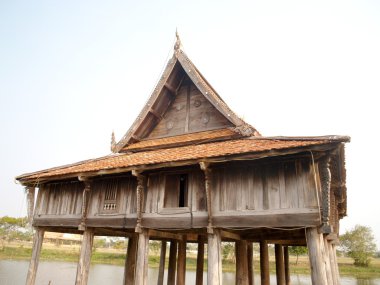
(176, 191)
(109, 204)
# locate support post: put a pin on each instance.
(181, 262)
(130, 261)
(334, 264)
(161, 270)
(172, 262)
(251, 280)
(139, 198)
(264, 263)
(207, 171)
(214, 261)
(36, 250)
(325, 175)
(30, 197)
(200, 261)
(141, 274)
(86, 191)
(286, 263)
(241, 262)
(85, 257)
(318, 268)
(280, 272)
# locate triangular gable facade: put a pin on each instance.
(183, 103)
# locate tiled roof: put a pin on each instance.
(183, 139)
(176, 154)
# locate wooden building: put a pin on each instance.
(190, 170)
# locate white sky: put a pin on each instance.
(73, 71)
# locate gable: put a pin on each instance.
(189, 112)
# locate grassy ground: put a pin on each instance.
(117, 257)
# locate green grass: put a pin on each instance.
(118, 258)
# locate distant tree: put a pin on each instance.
(228, 251)
(155, 246)
(14, 229)
(359, 244)
(297, 251)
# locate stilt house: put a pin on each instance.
(190, 170)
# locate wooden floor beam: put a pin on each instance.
(36, 250)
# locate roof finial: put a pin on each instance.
(113, 141)
(177, 44)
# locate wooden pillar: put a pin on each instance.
(334, 264)
(141, 275)
(207, 171)
(36, 250)
(286, 263)
(130, 261)
(172, 262)
(264, 263)
(161, 270)
(241, 262)
(200, 261)
(139, 198)
(318, 269)
(85, 198)
(181, 262)
(85, 257)
(251, 280)
(326, 257)
(280, 271)
(30, 197)
(214, 261)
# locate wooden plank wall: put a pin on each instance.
(283, 185)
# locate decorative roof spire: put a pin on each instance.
(113, 141)
(177, 44)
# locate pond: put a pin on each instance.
(63, 273)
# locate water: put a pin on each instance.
(63, 273)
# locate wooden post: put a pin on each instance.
(141, 275)
(85, 257)
(317, 265)
(172, 262)
(200, 261)
(30, 195)
(326, 256)
(161, 270)
(139, 198)
(264, 263)
(207, 171)
(181, 262)
(36, 250)
(130, 261)
(280, 271)
(214, 261)
(334, 264)
(85, 194)
(251, 280)
(286, 262)
(241, 262)
(325, 175)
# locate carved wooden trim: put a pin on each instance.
(325, 175)
(86, 191)
(207, 171)
(139, 198)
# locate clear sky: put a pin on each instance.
(71, 72)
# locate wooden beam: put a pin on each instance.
(214, 261)
(200, 261)
(83, 267)
(30, 196)
(229, 235)
(318, 269)
(251, 280)
(264, 263)
(181, 262)
(155, 113)
(172, 262)
(141, 274)
(161, 270)
(130, 261)
(164, 235)
(241, 263)
(280, 271)
(171, 89)
(286, 263)
(36, 250)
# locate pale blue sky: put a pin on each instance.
(73, 71)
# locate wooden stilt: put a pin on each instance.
(241, 262)
(214, 261)
(264, 263)
(36, 250)
(251, 280)
(181, 262)
(334, 264)
(326, 257)
(85, 257)
(280, 270)
(130, 261)
(172, 262)
(161, 270)
(200, 261)
(286, 263)
(141, 274)
(318, 268)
